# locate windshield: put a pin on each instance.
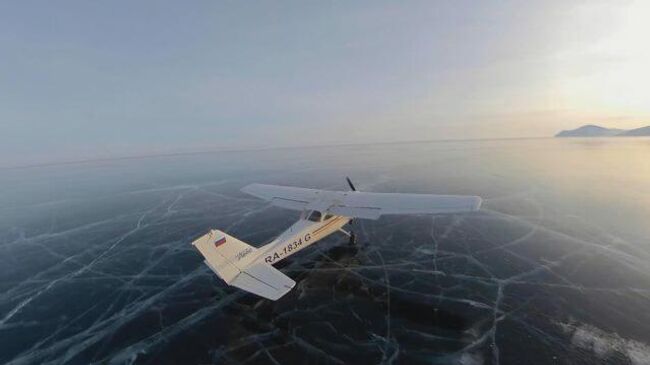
(315, 216)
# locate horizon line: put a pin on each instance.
(251, 149)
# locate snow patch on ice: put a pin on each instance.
(602, 343)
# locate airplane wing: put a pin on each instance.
(360, 204)
(283, 196)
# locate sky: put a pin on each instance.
(95, 79)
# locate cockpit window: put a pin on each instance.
(315, 216)
(328, 216)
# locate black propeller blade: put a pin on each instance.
(350, 183)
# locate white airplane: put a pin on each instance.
(323, 213)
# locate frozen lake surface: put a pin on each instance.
(96, 264)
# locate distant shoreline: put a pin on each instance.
(591, 130)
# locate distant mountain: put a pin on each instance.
(591, 130)
(644, 131)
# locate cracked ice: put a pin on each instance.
(103, 272)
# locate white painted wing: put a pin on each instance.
(283, 196)
(359, 204)
(372, 205)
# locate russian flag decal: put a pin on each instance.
(220, 241)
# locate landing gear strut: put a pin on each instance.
(353, 238)
(351, 235)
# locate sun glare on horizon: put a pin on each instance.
(611, 76)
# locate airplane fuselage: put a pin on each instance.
(300, 235)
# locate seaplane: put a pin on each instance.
(324, 212)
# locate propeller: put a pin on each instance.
(350, 183)
(351, 222)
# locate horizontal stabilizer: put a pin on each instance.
(264, 280)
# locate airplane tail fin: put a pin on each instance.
(234, 262)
